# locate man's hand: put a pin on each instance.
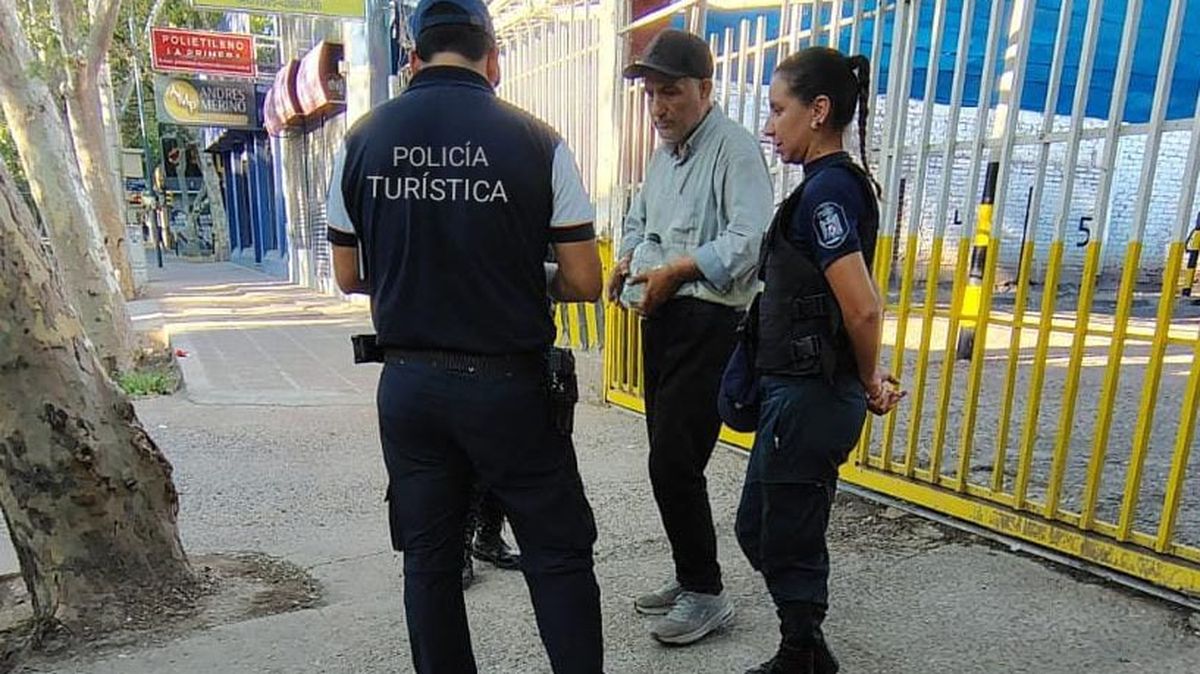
(661, 285)
(883, 393)
(616, 282)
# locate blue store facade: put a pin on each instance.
(258, 234)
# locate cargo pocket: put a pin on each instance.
(393, 520)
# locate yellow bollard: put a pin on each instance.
(979, 253)
(1193, 254)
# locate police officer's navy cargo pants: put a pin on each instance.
(806, 429)
(440, 429)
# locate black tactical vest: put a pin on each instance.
(800, 327)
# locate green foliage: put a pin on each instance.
(12, 160)
(126, 47)
(37, 18)
(148, 382)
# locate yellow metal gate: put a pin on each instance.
(1030, 259)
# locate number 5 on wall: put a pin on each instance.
(1087, 231)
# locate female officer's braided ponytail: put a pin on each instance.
(860, 67)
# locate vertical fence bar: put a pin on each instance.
(727, 73)
(1191, 398)
(698, 17)
(939, 234)
(827, 9)
(714, 45)
(1180, 455)
(1025, 267)
(1137, 462)
(856, 22)
(1012, 85)
(774, 163)
(964, 245)
(814, 30)
(1087, 290)
(743, 66)
(891, 163)
(897, 100)
(895, 210)
(760, 54)
(1091, 33)
(876, 57)
(835, 32)
(937, 34)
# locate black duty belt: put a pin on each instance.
(471, 363)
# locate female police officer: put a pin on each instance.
(818, 334)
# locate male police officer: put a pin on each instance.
(453, 197)
(708, 197)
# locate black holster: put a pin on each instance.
(366, 349)
(563, 386)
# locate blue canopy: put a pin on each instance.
(1146, 55)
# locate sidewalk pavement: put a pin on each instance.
(255, 340)
(275, 449)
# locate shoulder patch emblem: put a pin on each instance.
(829, 221)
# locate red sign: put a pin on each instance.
(194, 51)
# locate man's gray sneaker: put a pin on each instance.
(694, 616)
(660, 601)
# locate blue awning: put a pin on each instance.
(1152, 27)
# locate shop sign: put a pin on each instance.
(194, 51)
(190, 102)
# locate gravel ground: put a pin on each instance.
(303, 481)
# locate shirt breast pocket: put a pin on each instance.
(686, 224)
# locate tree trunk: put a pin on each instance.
(134, 251)
(85, 491)
(44, 145)
(85, 109)
(216, 206)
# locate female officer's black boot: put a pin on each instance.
(787, 661)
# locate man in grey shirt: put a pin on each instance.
(708, 198)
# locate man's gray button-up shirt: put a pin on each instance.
(710, 198)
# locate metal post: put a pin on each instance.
(1193, 253)
(983, 226)
(379, 48)
(137, 81)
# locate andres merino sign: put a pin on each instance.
(196, 51)
(191, 102)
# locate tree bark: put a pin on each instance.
(216, 206)
(134, 250)
(44, 145)
(95, 164)
(86, 493)
(85, 109)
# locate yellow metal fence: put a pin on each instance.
(1053, 389)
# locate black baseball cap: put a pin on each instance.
(675, 54)
(451, 13)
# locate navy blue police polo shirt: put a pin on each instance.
(454, 196)
(833, 208)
